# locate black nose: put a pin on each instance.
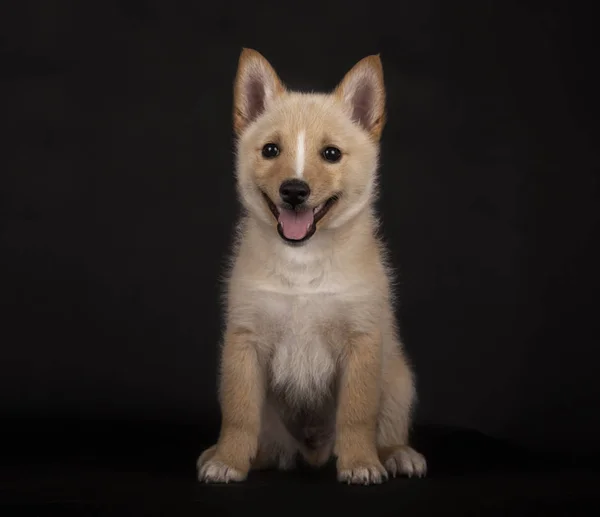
(294, 192)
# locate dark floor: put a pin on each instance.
(113, 468)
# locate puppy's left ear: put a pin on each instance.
(362, 90)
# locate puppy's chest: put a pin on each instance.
(304, 334)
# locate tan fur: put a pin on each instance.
(311, 324)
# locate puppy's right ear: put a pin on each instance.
(256, 85)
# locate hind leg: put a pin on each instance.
(398, 394)
(277, 449)
(318, 456)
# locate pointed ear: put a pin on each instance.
(256, 85)
(362, 90)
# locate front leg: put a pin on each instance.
(242, 393)
(355, 446)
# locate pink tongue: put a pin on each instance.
(295, 224)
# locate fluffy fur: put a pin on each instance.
(311, 365)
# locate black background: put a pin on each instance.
(117, 202)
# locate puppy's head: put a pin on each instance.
(306, 162)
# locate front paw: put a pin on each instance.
(369, 472)
(215, 470)
(211, 469)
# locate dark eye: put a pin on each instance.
(332, 154)
(270, 151)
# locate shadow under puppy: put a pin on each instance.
(311, 361)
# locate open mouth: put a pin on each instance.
(298, 225)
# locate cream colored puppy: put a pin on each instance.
(311, 363)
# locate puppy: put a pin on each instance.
(311, 363)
